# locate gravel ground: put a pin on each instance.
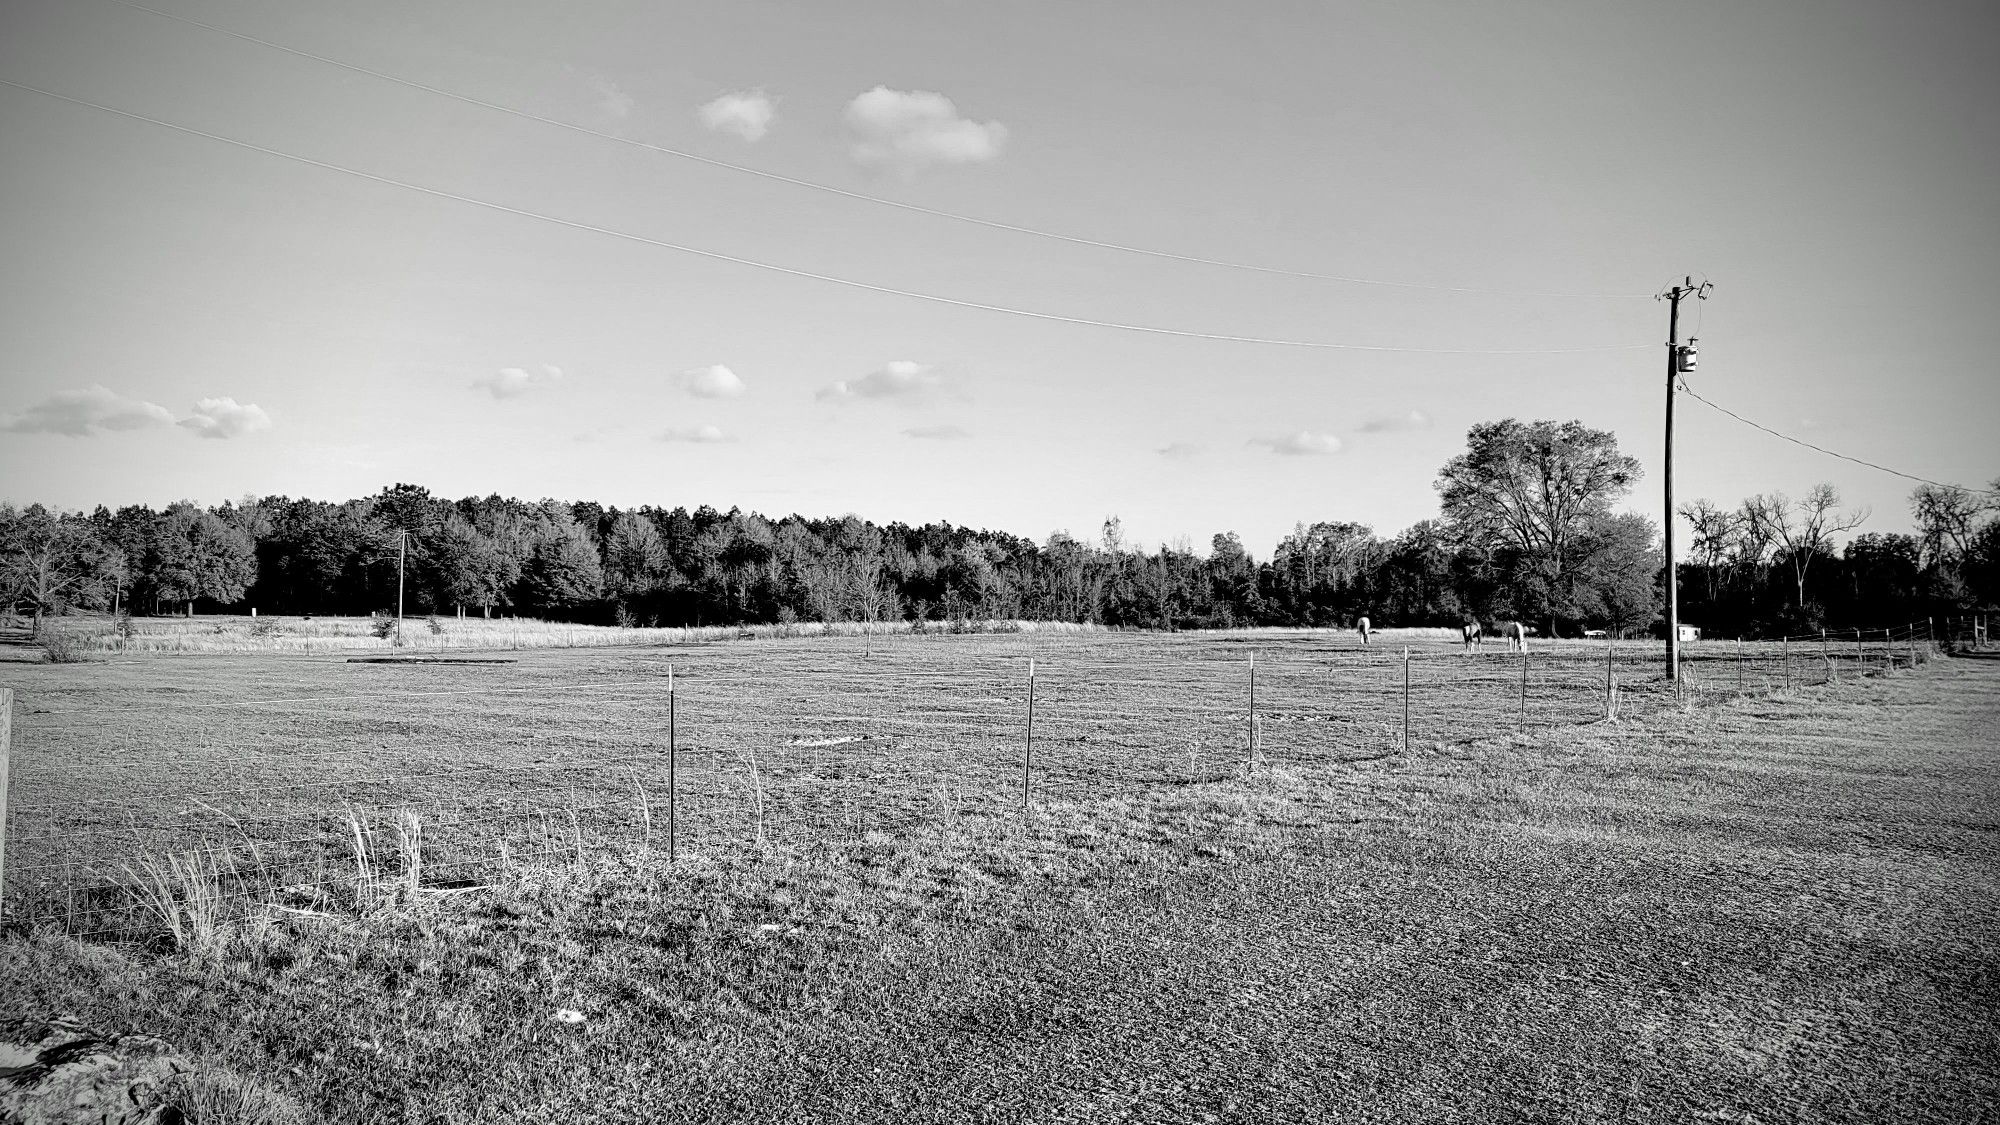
(1784, 911)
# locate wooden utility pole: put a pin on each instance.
(402, 553)
(1674, 369)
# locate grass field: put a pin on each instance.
(276, 766)
(1776, 908)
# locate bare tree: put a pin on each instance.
(1947, 519)
(1717, 534)
(1805, 527)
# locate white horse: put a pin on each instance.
(1362, 625)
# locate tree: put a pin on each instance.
(1805, 527)
(562, 573)
(1535, 488)
(55, 562)
(1618, 580)
(193, 553)
(1947, 519)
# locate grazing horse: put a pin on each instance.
(1472, 635)
(1362, 625)
(1515, 634)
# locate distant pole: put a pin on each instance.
(1739, 665)
(673, 780)
(1028, 758)
(1826, 654)
(1788, 663)
(402, 553)
(1860, 653)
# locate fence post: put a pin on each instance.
(6, 737)
(1522, 724)
(1739, 665)
(673, 774)
(1609, 644)
(1252, 715)
(1406, 699)
(1860, 653)
(1788, 663)
(1028, 756)
(1826, 654)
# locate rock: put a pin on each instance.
(67, 1072)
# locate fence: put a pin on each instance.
(320, 791)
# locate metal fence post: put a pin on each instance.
(1252, 714)
(673, 774)
(1826, 654)
(1406, 699)
(1609, 644)
(1860, 654)
(1522, 724)
(6, 738)
(1028, 755)
(1739, 665)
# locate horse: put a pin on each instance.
(1473, 636)
(1516, 635)
(1362, 625)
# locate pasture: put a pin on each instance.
(281, 768)
(1773, 905)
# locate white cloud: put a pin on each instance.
(714, 381)
(700, 435)
(226, 418)
(1414, 420)
(938, 433)
(91, 410)
(747, 114)
(1179, 451)
(909, 130)
(899, 381)
(612, 100)
(513, 382)
(1303, 443)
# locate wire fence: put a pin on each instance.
(312, 794)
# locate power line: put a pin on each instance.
(934, 212)
(1689, 391)
(789, 271)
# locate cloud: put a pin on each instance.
(715, 381)
(747, 114)
(938, 433)
(1179, 451)
(1301, 444)
(612, 100)
(91, 410)
(900, 381)
(700, 435)
(513, 382)
(224, 418)
(1414, 420)
(909, 130)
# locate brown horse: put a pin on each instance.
(1472, 635)
(1515, 634)
(1361, 624)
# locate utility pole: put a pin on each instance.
(403, 552)
(1676, 364)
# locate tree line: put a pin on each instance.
(1526, 531)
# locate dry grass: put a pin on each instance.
(84, 636)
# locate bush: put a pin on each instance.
(388, 629)
(62, 646)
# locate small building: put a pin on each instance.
(1594, 634)
(1690, 632)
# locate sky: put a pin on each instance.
(189, 318)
